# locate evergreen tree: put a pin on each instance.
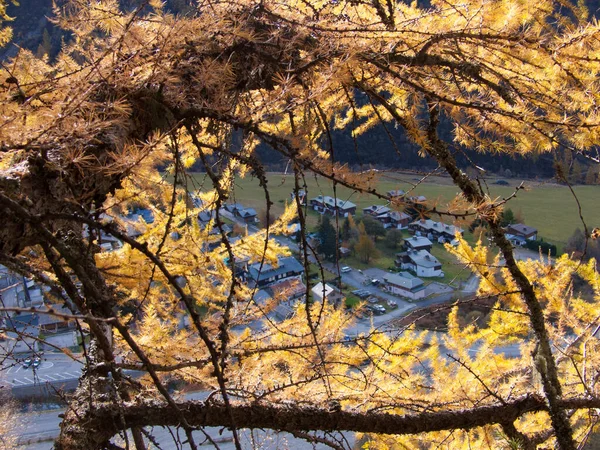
(373, 227)
(507, 218)
(591, 176)
(345, 233)
(328, 246)
(576, 172)
(393, 238)
(46, 43)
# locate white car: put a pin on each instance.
(346, 269)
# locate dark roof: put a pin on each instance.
(248, 212)
(289, 264)
(399, 215)
(49, 319)
(23, 321)
(406, 280)
(334, 202)
(287, 289)
(205, 216)
(145, 213)
(231, 207)
(377, 209)
(418, 241)
(396, 193)
(522, 229)
(196, 201)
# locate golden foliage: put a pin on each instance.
(139, 97)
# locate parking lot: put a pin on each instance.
(52, 369)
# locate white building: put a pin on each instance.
(405, 285)
(421, 262)
(328, 292)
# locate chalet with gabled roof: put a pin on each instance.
(421, 262)
(301, 196)
(396, 193)
(376, 210)
(333, 295)
(418, 243)
(333, 206)
(523, 231)
(405, 285)
(267, 274)
(248, 215)
(387, 217)
(399, 219)
(433, 230)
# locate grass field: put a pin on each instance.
(546, 206)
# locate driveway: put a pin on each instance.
(472, 284)
(524, 254)
(437, 288)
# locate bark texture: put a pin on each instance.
(105, 420)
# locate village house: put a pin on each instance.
(286, 290)
(421, 262)
(233, 207)
(301, 196)
(136, 222)
(519, 233)
(344, 252)
(206, 216)
(417, 243)
(19, 292)
(333, 295)
(396, 193)
(399, 220)
(433, 230)
(379, 213)
(277, 302)
(334, 206)
(405, 285)
(376, 210)
(268, 274)
(204, 219)
(248, 215)
(387, 217)
(52, 324)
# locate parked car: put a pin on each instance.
(348, 340)
(392, 304)
(346, 269)
(372, 299)
(27, 363)
(361, 293)
(376, 309)
(36, 362)
(502, 182)
(375, 281)
(379, 308)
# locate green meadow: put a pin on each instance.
(549, 207)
